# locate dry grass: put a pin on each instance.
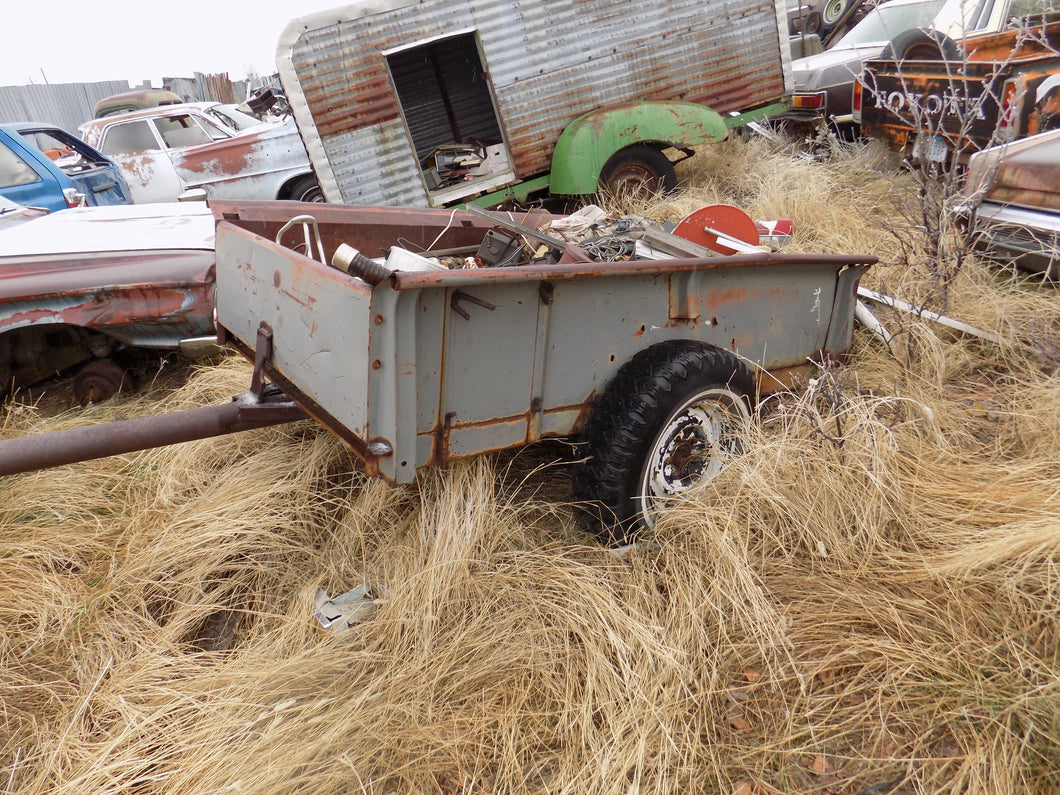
(868, 596)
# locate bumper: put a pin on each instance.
(1029, 239)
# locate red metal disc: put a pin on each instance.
(724, 218)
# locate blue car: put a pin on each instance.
(45, 166)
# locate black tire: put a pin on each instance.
(645, 439)
(831, 12)
(305, 189)
(919, 44)
(637, 170)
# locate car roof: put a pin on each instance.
(145, 113)
(22, 126)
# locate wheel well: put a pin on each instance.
(920, 44)
(32, 353)
(287, 189)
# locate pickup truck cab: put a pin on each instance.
(170, 153)
(935, 93)
(45, 166)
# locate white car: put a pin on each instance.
(95, 287)
(231, 116)
(12, 213)
(176, 152)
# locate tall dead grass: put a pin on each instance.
(865, 602)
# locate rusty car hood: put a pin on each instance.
(136, 227)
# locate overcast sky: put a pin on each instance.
(62, 41)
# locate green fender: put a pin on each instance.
(591, 139)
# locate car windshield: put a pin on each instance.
(232, 117)
(885, 22)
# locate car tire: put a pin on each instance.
(306, 189)
(646, 438)
(920, 44)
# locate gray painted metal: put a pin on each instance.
(429, 367)
(547, 64)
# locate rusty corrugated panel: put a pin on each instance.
(547, 62)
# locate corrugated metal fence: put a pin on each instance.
(69, 105)
(65, 104)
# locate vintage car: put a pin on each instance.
(907, 30)
(1012, 207)
(45, 166)
(176, 152)
(92, 286)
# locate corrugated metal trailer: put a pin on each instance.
(544, 95)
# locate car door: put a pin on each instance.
(23, 182)
(89, 172)
(143, 160)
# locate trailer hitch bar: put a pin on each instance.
(57, 448)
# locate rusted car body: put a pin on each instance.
(1014, 203)
(86, 283)
(953, 98)
(168, 152)
(835, 70)
(428, 367)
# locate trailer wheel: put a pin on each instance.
(306, 189)
(636, 171)
(918, 44)
(671, 418)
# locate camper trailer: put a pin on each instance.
(441, 102)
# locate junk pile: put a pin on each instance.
(710, 231)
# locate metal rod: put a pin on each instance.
(44, 450)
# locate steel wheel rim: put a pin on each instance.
(634, 179)
(832, 11)
(697, 440)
